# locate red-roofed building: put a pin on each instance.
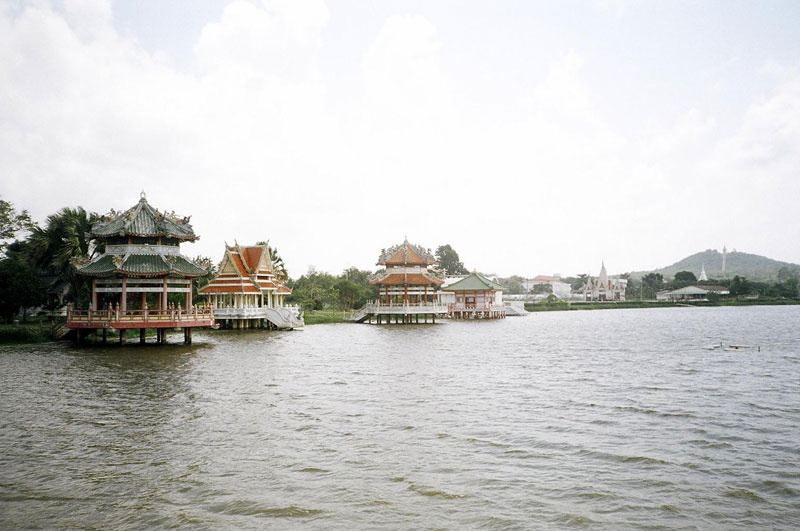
(407, 288)
(246, 292)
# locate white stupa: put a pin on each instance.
(703, 275)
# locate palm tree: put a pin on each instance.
(278, 267)
(63, 239)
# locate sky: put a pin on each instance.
(533, 137)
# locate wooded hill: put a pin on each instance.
(755, 267)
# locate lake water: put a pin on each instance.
(593, 419)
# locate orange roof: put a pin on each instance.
(412, 279)
(406, 254)
(237, 261)
(283, 289)
(251, 256)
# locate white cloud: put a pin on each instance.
(246, 141)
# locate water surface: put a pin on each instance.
(592, 419)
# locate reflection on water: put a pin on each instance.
(615, 419)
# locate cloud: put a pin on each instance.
(246, 140)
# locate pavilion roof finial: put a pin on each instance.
(142, 195)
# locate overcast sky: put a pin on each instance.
(534, 137)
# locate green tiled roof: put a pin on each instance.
(142, 265)
(143, 220)
(474, 282)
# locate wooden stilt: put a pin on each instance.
(105, 336)
(122, 336)
(142, 333)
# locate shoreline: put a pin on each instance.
(28, 334)
(572, 306)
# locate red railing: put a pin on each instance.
(139, 316)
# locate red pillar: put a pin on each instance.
(123, 302)
(94, 294)
(164, 296)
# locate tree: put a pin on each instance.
(448, 261)
(739, 286)
(513, 284)
(20, 287)
(577, 282)
(348, 292)
(685, 276)
(651, 284)
(315, 290)
(279, 268)
(12, 222)
(200, 282)
(63, 239)
(540, 289)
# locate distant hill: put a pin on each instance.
(754, 267)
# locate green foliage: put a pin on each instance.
(200, 282)
(448, 261)
(54, 248)
(651, 284)
(541, 289)
(577, 282)
(316, 290)
(513, 284)
(12, 222)
(740, 286)
(20, 288)
(685, 276)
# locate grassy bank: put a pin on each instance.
(26, 333)
(323, 317)
(566, 306)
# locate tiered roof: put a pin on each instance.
(474, 282)
(142, 265)
(143, 257)
(388, 278)
(407, 264)
(142, 220)
(245, 269)
(406, 254)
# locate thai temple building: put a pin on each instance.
(246, 293)
(476, 297)
(407, 287)
(141, 280)
(603, 288)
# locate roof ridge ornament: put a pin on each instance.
(142, 196)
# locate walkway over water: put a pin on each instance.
(406, 313)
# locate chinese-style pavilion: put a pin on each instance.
(476, 297)
(407, 288)
(141, 265)
(246, 293)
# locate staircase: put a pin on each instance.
(358, 316)
(60, 331)
(283, 318)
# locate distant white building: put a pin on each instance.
(561, 289)
(603, 288)
(691, 293)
